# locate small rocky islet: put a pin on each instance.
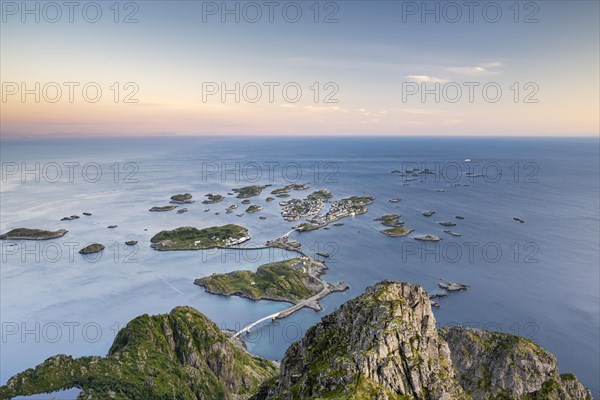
(447, 223)
(248, 191)
(456, 234)
(428, 238)
(253, 208)
(392, 220)
(32, 234)
(288, 188)
(213, 198)
(162, 208)
(183, 198)
(397, 232)
(92, 248)
(70, 218)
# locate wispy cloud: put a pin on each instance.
(424, 111)
(426, 79)
(486, 69)
(367, 113)
(331, 109)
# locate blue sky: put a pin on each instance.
(367, 60)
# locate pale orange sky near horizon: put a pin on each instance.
(366, 62)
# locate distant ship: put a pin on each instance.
(467, 160)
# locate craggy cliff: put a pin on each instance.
(382, 345)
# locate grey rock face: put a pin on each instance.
(497, 364)
(382, 344)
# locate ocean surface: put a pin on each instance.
(539, 279)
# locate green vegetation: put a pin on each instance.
(92, 248)
(182, 198)
(288, 188)
(360, 200)
(429, 238)
(181, 355)
(32, 234)
(163, 208)
(320, 194)
(307, 227)
(248, 191)
(270, 199)
(392, 220)
(190, 238)
(282, 190)
(253, 208)
(213, 198)
(283, 281)
(397, 232)
(328, 363)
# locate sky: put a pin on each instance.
(139, 68)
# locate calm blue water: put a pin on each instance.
(539, 279)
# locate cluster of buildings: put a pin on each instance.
(295, 209)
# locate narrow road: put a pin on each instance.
(288, 311)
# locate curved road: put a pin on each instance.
(288, 311)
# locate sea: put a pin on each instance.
(538, 278)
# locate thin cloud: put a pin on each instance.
(477, 70)
(332, 109)
(426, 79)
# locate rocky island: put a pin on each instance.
(213, 198)
(428, 238)
(447, 223)
(449, 232)
(162, 209)
(190, 238)
(248, 191)
(32, 234)
(397, 232)
(184, 198)
(92, 248)
(381, 345)
(282, 281)
(392, 220)
(253, 208)
(288, 188)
